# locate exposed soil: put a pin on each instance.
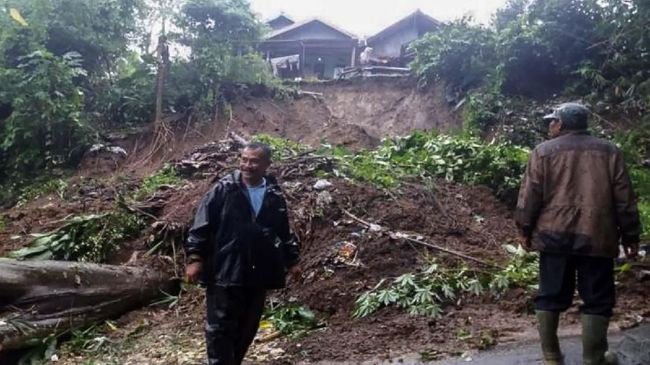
(83, 195)
(349, 113)
(466, 219)
(354, 114)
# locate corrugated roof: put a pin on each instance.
(307, 22)
(281, 15)
(402, 22)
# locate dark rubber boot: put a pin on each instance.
(547, 326)
(594, 341)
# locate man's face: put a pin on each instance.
(554, 128)
(253, 164)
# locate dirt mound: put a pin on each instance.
(464, 219)
(331, 220)
(81, 196)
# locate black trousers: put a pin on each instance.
(557, 282)
(233, 317)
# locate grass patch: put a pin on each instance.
(282, 148)
(165, 176)
(41, 188)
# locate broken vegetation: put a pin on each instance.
(88, 238)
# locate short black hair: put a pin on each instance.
(268, 152)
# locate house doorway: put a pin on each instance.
(319, 70)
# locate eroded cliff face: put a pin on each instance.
(353, 113)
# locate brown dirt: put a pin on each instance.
(350, 113)
(355, 114)
(466, 219)
(331, 289)
(83, 195)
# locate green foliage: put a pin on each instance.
(129, 99)
(99, 30)
(640, 177)
(522, 271)
(40, 352)
(292, 319)
(3, 223)
(282, 148)
(42, 187)
(46, 126)
(421, 293)
(426, 291)
(61, 52)
(503, 118)
(89, 238)
(168, 301)
(635, 146)
(365, 166)
(462, 159)
(525, 64)
(623, 269)
(459, 53)
(482, 110)
(90, 340)
(70, 64)
(537, 49)
(165, 176)
(220, 35)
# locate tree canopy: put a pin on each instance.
(69, 66)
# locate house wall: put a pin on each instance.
(314, 30)
(391, 45)
(330, 58)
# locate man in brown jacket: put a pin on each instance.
(576, 205)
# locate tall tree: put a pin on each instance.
(218, 33)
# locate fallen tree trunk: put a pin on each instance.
(38, 298)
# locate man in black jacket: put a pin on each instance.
(240, 246)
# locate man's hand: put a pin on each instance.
(525, 243)
(193, 271)
(631, 250)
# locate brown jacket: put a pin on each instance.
(576, 197)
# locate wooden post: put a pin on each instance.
(354, 56)
(302, 59)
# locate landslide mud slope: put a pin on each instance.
(351, 113)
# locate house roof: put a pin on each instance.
(299, 25)
(281, 18)
(417, 15)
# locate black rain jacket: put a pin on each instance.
(236, 247)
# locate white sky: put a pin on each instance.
(367, 17)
